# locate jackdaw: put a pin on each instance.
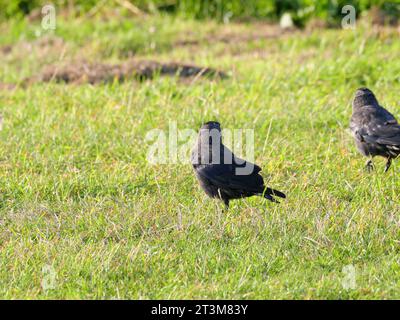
(375, 130)
(221, 174)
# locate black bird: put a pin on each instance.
(221, 174)
(375, 130)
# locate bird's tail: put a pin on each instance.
(268, 193)
(275, 193)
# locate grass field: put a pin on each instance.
(81, 204)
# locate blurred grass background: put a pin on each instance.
(77, 194)
(221, 10)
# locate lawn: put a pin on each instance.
(84, 214)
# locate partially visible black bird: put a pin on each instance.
(375, 130)
(221, 174)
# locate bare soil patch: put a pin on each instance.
(7, 86)
(379, 17)
(90, 72)
(42, 45)
(234, 34)
(6, 49)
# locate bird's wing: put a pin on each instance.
(238, 162)
(375, 125)
(386, 134)
(224, 176)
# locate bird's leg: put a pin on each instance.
(388, 163)
(226, 201)
(369, 165)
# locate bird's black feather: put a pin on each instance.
(375, 130)
(221, 180)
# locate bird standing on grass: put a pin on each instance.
(375, 130)
(221, 174)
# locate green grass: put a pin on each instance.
(78, 194)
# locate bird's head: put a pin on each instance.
(210, 125)
(364, 97)
(210, 132)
